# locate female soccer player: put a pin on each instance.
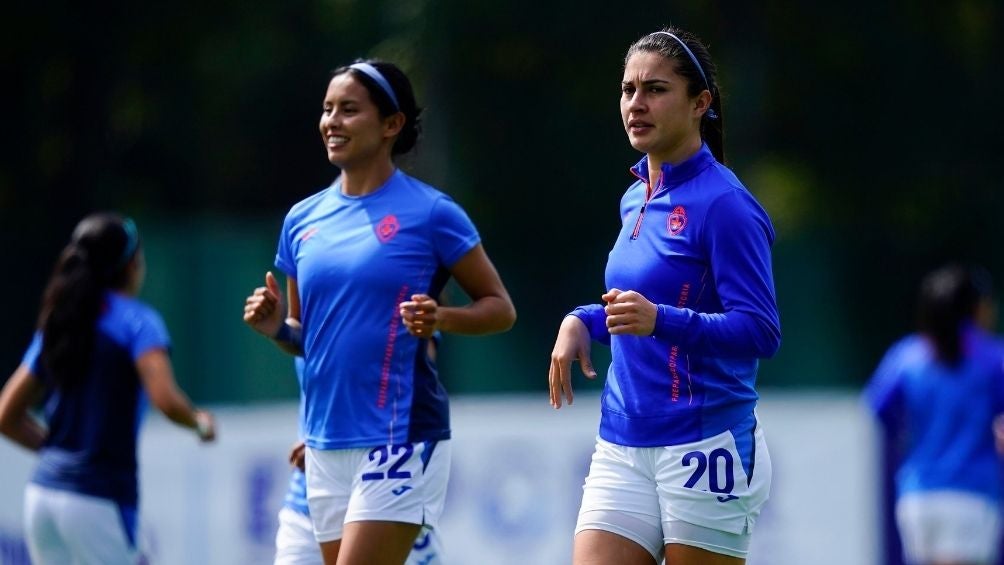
(363, 259)
(98, 354)
(681, 468)
(938, 393)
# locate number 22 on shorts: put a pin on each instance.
(402, 453)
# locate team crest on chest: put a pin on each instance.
(677, 220)
(387, 228)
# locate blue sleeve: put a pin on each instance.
(30, 358)
(285, 259)
(595, 318)
(883, 395)
(738, 236)
(999, 406)
(453, 233)
(149, 332)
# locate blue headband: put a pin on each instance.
(711, 113)
(372, 72)
(132, 240)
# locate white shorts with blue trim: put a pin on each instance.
(67, 527)
(394, 483)
(706, 494)
(294, 540)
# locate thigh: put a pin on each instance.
(600, 547)
(377, 543)
(680, 554)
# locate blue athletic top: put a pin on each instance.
(366, 380)
(91, 444)
(296, 494)
(699, 248)
(943, 415)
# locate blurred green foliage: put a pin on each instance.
(866, 129)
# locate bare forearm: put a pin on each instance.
(178, 408)
(491, 314)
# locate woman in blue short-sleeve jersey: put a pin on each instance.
(939, 394)
(364, 259)
(99, 357)
(680, 469)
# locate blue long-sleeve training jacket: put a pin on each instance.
(699, 248)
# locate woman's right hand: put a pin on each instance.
(205, 426)
(265, 309)
(298, 456)
(573, 344)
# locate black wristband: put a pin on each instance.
(285, 333)
(288, 334)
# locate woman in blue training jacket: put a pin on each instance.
(680, 469)
(938, 393)
(99, 355)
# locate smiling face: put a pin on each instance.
(660, 118)
(352, 129)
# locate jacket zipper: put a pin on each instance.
(637, 224)
(641, 215)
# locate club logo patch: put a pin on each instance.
(387, 228)
(677, 220)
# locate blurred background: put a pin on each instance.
(867, 130)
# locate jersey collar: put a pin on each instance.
(674, 175)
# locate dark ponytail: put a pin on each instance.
(698, 79)
(948, 298)
(94, 261)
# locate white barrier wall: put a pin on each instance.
(515, 486)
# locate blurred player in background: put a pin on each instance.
(99, 356)
(363, 259)
(938, 393)
(294, 541)
(681, 468)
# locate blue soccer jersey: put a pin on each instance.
(296, 493)
(942, 414)
(699, 248)
(367, 381)
(93, 425)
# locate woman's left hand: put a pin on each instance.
(629, 313)
(420, 315)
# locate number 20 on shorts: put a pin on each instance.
(710, 464)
